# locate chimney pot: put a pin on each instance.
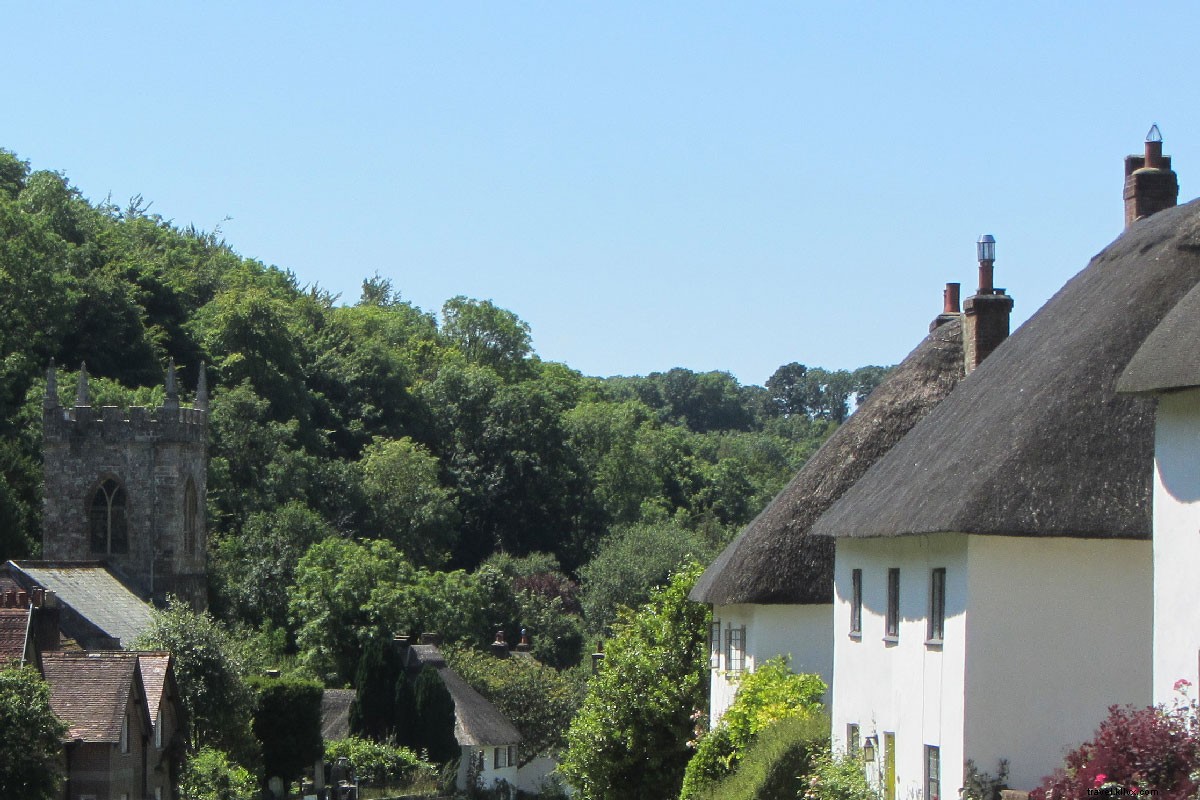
(22, 599)
(950, 298)
(1150, 183)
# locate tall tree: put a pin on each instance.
(630, 738)
(32, 742)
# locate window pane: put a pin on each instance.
(856, 601)
(893, 612)
(937, 603)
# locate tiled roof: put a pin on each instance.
(93, 592)
(90, 691)
(14, 622)
(154, 667)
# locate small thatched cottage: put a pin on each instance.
(993, 586)
(772, 588)
(1167, 366)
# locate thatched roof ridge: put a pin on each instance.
(1169, 358)
(1036, 442)
(775, 559)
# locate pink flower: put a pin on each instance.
(1182, 684)
(1100, 776)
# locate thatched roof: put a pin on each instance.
(1036, 442)
(775, 559)
(1169, 358)
(335, 714)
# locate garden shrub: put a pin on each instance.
(771, 693)
(377, 763)
(771, 768)
(837, 777)
(1152, 750)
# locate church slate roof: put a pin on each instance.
(97, 603)
(1036, 442)
(775, 559)
(1169, 358)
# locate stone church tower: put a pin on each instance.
(128, 488)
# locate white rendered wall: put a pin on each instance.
(908, 687)
(1058, 630)
(1176, 544)
(802, 632)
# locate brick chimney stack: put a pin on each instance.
(1150, 183)
(950, 310)
(985, 313)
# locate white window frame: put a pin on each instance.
(735, 649)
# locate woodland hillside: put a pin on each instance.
(434, 449)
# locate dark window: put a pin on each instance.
(191, 513)
(852, 740)
(933, 781)
(892, 630)
(856, 601)
(714, 643)
(937, 604)
(106, 517)
(735, 649)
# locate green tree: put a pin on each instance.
(629, 740)
(434, 722)
(287, 724)
(769, 694)
(211, 775)
(345, 595)
(632, 562)
(210, 674)
(539, 700)
(373, 713)
(408, 505)
(252, 570)
(31, 747)
(488, 335)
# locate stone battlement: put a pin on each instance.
(135, 424)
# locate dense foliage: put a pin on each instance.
(287, 724)
(779, 764)
(539, 700)
(30, 747)
(629, 740)
(378, 763)
(211, 775)
(1134, 751)
(769, 694)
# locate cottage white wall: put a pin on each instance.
(1057, 631)
(488, 774)
(910, 688)
(802, 632)
(1176, 543)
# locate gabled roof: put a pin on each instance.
(155, 668)
(1169, 358)
(14, 632)
(90, 691)
(476, 721)
(98, 603)
(1036, 442)
(335, 713)
(775, 559)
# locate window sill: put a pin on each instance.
(856, 635)
(891, 641)
(933, 644)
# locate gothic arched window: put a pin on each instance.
(191, 515)
(109, 532)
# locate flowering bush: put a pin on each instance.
(1135, 751)
(838, 777)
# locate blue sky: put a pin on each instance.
(708, 185)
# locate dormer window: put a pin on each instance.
(106, 517)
